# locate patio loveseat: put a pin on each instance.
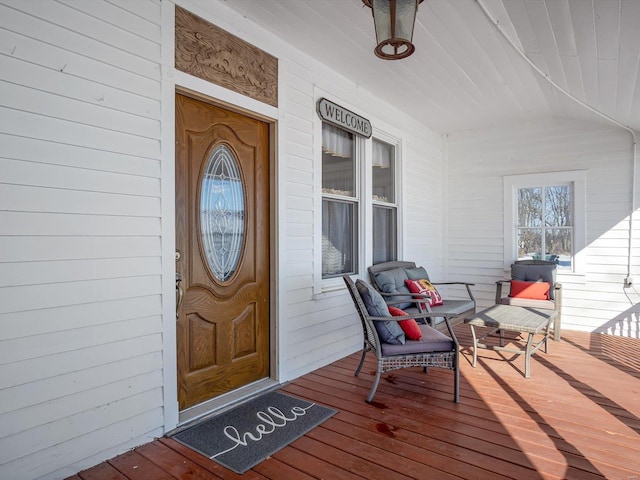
(392, 280)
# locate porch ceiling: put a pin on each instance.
(464, 74)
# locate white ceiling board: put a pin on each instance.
(560, 19)
(629, 58)
(539, 16)
(464, 74)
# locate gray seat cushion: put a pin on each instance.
(454, 306)
(457, 307)
(432, 341)
(388, 332)
(526, 302)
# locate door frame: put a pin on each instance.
(172, 82)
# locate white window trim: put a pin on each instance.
(397, 203)
(364, 151)
(579, 180)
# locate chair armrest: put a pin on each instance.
(420, 300)
(466, 284)
(417, 315)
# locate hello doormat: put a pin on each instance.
(242, 437)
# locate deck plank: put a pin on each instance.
(102, 471)
(577, 417)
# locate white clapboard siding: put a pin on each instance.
(26, 99)
(27, 124)
(68, 317)
(59, 342)
(34, 273)
(119, 14)
(87, 157)
(57, 365)
(12, 448)
(19, 172)
(322, 328)
(47, 54)
(84, 34)
(61, 294)
(477, 161)
(41, 248)
(38, 199)
(81, 352)
(39, 78)
(82, 388)
(61, 224)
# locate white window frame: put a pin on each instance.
(395, 143)
(364, 157)
(578, 178)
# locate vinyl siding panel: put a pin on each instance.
(328, 317)
(80, 309)
(477, 161)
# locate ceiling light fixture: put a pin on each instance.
(394, 21)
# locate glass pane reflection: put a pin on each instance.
(222, 212)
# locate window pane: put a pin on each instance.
(530, 207)
(383, 172)
(384, 234)
(558, 206)
(339, 254)
(559, 246)
(338, 165)
(529, 243)
(222, 212)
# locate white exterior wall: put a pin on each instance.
(322, 327)
(477, 162)
(80, 233)
(87, 344)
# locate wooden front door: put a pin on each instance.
(222, 243)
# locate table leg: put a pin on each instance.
(527, 357)
(475, 345)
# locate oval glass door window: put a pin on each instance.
(222, 213)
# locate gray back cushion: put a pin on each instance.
(392, 281)
(417, 273)
(535, 273)
(389, 332)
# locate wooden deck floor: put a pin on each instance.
(577, 417)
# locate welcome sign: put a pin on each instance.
(341, 117)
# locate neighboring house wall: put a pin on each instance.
(477, 162)
(84, 365)
(80, 337)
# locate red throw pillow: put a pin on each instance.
(425, 287)
(409, 327)
(530, 290)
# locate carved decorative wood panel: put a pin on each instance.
(213, 54)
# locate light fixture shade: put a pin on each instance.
(394, 21)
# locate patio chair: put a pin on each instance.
(533, 284)
(434, 349)
(390, 279)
